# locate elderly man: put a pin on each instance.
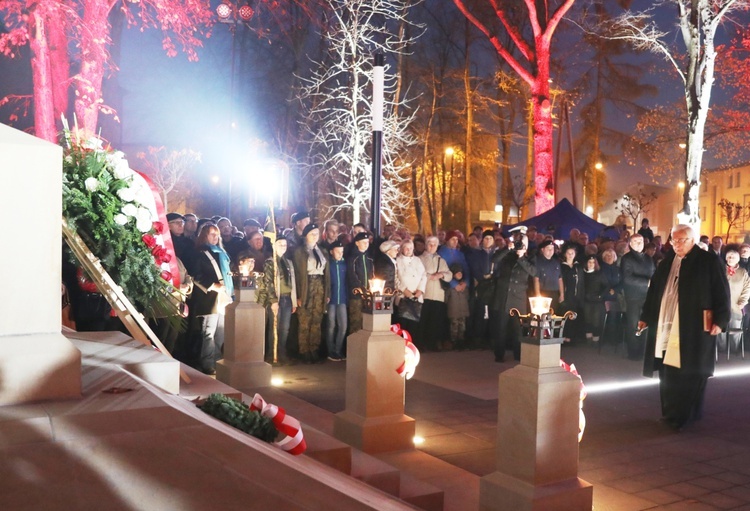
(636, 269)
(686, 306)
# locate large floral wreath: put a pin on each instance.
(107, 204)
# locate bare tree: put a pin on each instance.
(635, 204)
(698, 21)
(337, 99)
(735, 214)
(166, 168)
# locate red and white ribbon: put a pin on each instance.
(411, 353)
(581, 417)
(294, 441)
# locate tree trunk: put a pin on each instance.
(93, 58)
(469, 127)
(528, 193)
(44, 116)
(544, 196)
(59, 65)
(698, 32)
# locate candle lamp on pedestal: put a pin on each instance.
(373, 420)
(538, 424)
(243, 365)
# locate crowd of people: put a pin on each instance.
(454, 291)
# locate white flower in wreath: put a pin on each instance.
(69, 159)
(143, 193)
(120, 219)
(93, 143)
(126, 194)
(120, 167)
(129, 210)
(91, 184)
(143, 221)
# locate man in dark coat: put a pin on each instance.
(513, 271)
(636, 269)
(688, 289)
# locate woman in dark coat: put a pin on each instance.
(213, 289)
(572, 277)
(595, 285)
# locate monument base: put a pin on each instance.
(501, 492)
(37, 367)
(376, 434)
(243, 375)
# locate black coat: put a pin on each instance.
(702, 286)
(636, 269)
(513, 282)
(202, 303)
(360, 270)
(385, 268)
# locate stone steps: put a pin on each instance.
(323, 447)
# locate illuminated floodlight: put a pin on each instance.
(449, 151)
(498, 208)
(418, 440)
(224, 12)
(598, 165)
(277, 382)
(215, 179)
(246, 12)
(589, 210)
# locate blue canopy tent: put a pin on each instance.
(559, 220)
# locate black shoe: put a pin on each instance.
(500, 358)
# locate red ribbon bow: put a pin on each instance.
(294, 442)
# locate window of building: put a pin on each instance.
(731, 176)
(737, 180)
(703, 214)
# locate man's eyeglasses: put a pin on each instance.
(680, 241)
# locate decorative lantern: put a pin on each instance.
(542, 326)
(378, 299)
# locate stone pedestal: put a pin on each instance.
(243, 365)
(36, 361)
(537, 442)
(374, 419)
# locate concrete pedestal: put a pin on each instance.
(537, 447)
(36, 361)
(374, 419)
(243, 365)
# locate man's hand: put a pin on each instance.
(641, 325)
(418, 293)
(460, 287)
(407, 293)
(275, 308)
(715, 330)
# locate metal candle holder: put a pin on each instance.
(378, 299)
(541, 326)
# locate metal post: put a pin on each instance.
(377, 142)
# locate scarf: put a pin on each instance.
(731, 271)
(668, 328)
(224, 267)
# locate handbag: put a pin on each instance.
(410, 309)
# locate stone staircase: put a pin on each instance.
(317, 425)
